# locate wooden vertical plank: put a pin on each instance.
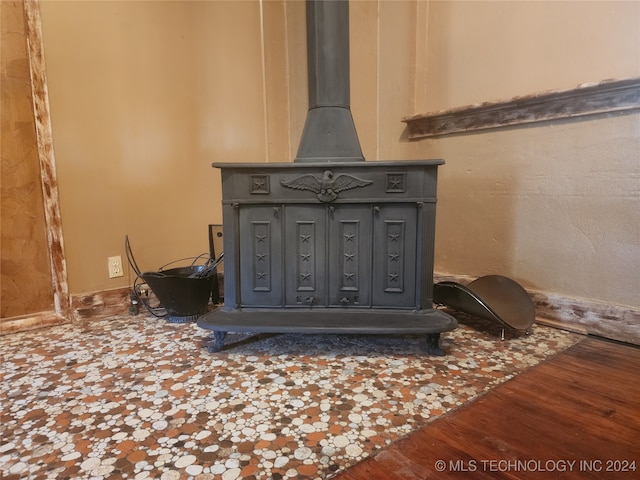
(44, 135)
(61, 312)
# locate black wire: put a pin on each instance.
(208, 269)
(158, 311)
(130, 258)
(139, 281)
(195, 259)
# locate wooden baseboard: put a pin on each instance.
(30, 322)
(100, 304)
(580, 315)
(83, 307)
(616, 322)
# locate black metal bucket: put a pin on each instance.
(184, 296)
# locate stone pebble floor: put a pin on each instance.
(136, 397)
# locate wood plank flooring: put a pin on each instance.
(575, 416)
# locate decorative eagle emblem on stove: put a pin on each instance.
(328, 186)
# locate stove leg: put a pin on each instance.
(433, 345)
(218, 341)
(206, 341)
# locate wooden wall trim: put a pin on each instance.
(616, 322)
(607, 96)
(85, 307)
(30, 322)
(44, 137)
(101, 304)
(579, 315)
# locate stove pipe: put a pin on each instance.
(329, 133)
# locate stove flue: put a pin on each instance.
(329, 133)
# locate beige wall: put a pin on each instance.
(556, 205)
(145, 95)
(490, 50)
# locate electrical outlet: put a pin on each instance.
(115, 267)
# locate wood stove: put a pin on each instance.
(329, 243)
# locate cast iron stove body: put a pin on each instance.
(329, 243)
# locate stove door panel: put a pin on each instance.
(394, 246)
(261, 269)
(350, 255)
(305, 255)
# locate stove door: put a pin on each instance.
(350, 255)
(394, 259)
(306, 254)
(261, 267)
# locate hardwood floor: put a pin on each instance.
(575, 416)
